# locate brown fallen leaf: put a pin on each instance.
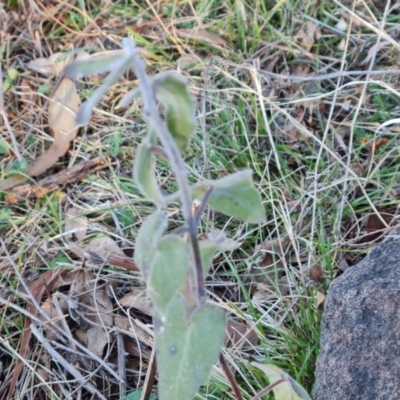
(203, 35)
(308, 35)
(375, 49)
(290, 129)
(138, 301)
(104, 250)
(62, 110)
(238, 335)
(375, 227)
(92, 310)
(50, 66)
(320, 298)
(317, 273)
(49, 309)
(131, 328)
(76, 225)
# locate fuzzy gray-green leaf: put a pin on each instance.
(188, 346)
(208, 248)
(95, 64)
(144, 175)
(149, 235)
(236, 196)
(170, 268)
(172, 91)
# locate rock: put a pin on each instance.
(360, 336)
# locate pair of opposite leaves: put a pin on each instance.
(62, 109)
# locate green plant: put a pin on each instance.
(189, 331)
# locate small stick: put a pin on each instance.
(150, 376)
(67, 176)
(121, 365)
(68, 367)
(267, 389)
(332, 75)
(230, 377)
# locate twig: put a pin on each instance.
(121, 365)
(178, 166)
(267, 389)
(230, 377)
(332, 75)
(56, 356)
(67, 176)
(150, 376)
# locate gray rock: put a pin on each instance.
(360, 336)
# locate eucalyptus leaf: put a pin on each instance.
(188, 346)
(144, 176)
(171, 267)
(172, 91)
(235, 195)
(147, 240)
(289, 389)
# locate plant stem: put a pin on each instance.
(150, 110)
(267, 389)
(203, 204)
(230, 377)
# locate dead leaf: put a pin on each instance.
(138, 301)
(62, 110)
(104, 250)
(131, 328)
(375, 145)
(374, 225)
(76, 225)
(92, 310)
(270, 64)
(203, 35)
(375, 49)
(50, 66)
(320, 298)
(49, 309)
(308, 36)
(225, 243)
(290, 129)
(238, 335)
(317, 273)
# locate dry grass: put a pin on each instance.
(324, 153)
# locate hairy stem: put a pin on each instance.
(177, 164)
